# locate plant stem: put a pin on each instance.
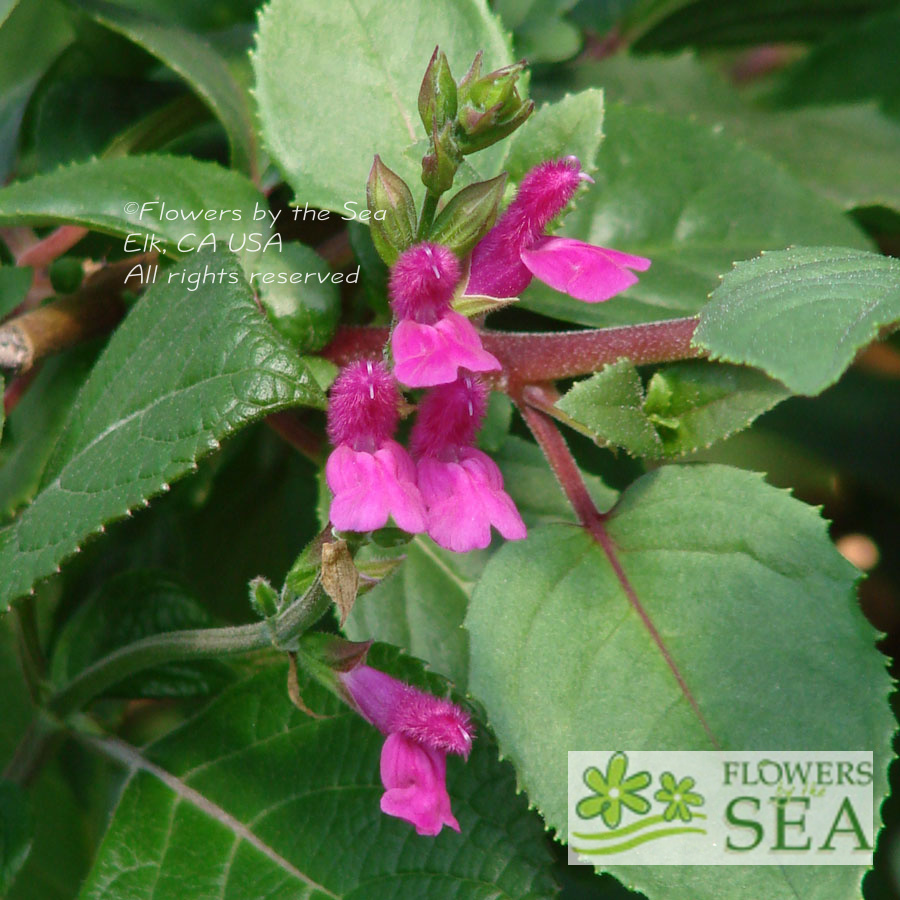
(191, 644)
(31, 656)
(32, 751)
(426, 219)
(562, 463)
(288, 426)
(51, 247)
(535, 358)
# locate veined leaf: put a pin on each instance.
(715, 613)
(245, 798)
(801, 314)
(186, 368)
(686, 406)
(176, 199)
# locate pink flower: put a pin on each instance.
(462, 486)
(431, 342)
(516, 249)
(371, 476)
(422, 730)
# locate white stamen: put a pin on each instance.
(371, 391)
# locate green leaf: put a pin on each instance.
(371, 75)
(14, 284)
(186, 369)
(421, 607)
(194, 60)
(820, 145)
(571, 125)
(305, 311)
(242, 799)
(32, 35)
(691, 200)
(687, 406)
(717, 613)
(35, 424)
(129, 607)
(15, 832)
(801, 314)
(139, 196)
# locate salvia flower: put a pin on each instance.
(421, 730)
(462, 486)
(431, 342)
(371, 476)
(516, 248)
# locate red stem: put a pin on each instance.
(51, 247)
(288, 426)
(531, 358)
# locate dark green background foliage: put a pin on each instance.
(751, 150)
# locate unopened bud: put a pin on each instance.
(395, 228)
(437, 96)
(469, 215)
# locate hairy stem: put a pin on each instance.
(202, 643)
(426, 219)
(51, 247)
(535, 358)
(288, 426)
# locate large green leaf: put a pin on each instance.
(196, 62)
(109, 195)
(801, 314)
(821, 145)
(715, 613)
(252, 798)
(185, 369)
(686, 406)
(370, 77)
(693, 201)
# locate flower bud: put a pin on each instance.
(437, 96)
(395, 229)
(469, 215)
(490, 107)
(439, 165)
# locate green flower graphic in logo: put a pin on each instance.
(613, 790)
(678, 796)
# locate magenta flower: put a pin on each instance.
(371, 476)
(462, 486)
(516, 249)
(431, 342)
(421, 730)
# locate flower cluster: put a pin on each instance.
(443, 484)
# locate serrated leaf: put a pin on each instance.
(820, 145)
(34, 425)
(801, 314)
(15, 832)
(109, 195)
(717, 614)
(693, 201)
(185, 369)
(373, 73)
(194, 60)
(573, 125)
(249, 792)
(14, 284)
(126, 608)
(686, 406)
